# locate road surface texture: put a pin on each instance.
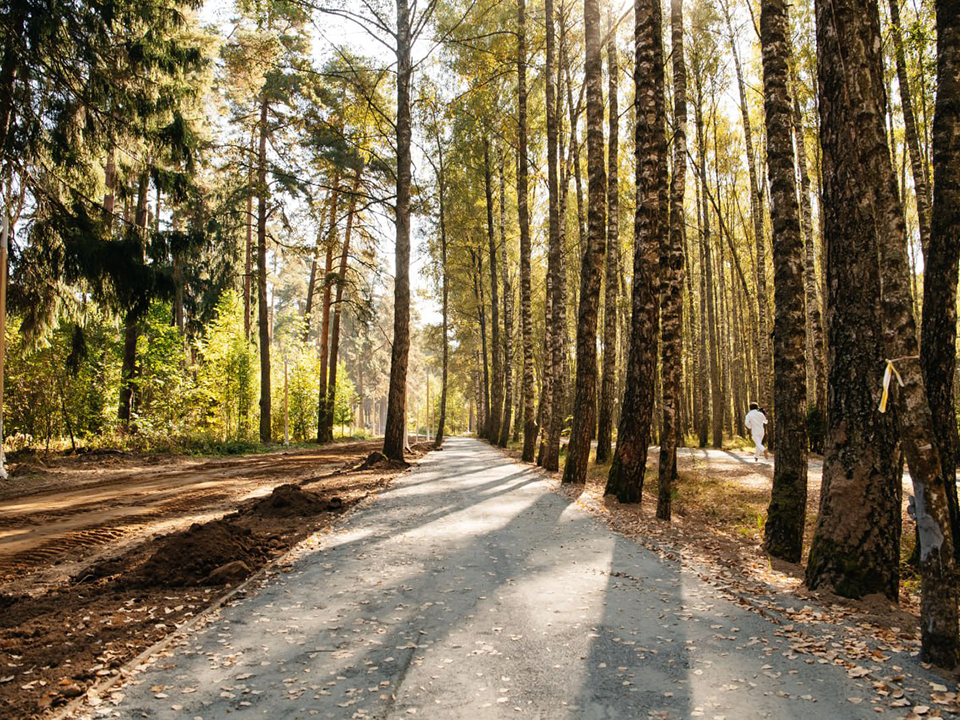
(470, 590)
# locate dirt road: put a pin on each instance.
(55, 520)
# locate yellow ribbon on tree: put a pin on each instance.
(887, 374)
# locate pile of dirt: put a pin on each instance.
(224, 551)
(289, 501)
(378, 461)
(194, 556)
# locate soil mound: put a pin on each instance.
(7, 601)
(288, 501)
(191, 557)
(378, 461)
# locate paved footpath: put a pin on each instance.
(470, 590)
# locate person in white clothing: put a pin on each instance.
(755, 422)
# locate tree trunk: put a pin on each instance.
(578, 451)
(608, 375)
(492, 432)
(445, 309)
(324, 406)
(248, 243)
(708, 322)
(110, 184)
(633, 434)
(507, 312)
(331, 234)
(552, 380)
(917, 167)
(814, 316)
(702, 365)
(396, 429)
(756, 215)
(939, 326)
(786, 515)
(338, 310)
(940, 641)
(672, 272)
(262, 304)
(477, 258)
(325, 433)
(558, 315)
(131, 326)
(856, 545)
(526, 320)
(574, 113)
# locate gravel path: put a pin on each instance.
(469, 590)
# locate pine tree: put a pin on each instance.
(395, 433)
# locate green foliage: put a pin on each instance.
(345, 397)
(227, 379)
(164, 391)
(60, 386)
(297, 365)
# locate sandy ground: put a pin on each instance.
(56, 519)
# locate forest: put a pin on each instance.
(591, 232)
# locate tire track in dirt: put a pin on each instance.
(52, 533)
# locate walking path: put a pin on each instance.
(470, 590)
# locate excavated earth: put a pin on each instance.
(94, 571)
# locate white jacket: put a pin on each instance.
(755, 421)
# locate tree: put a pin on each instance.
(558, 309)
(275, 47)
(672, 273)
(939, 326)
(856, 544)
(395, 434)
(608, 376)
(756, 215)
(918, 167)
(578, 451)
(507, 312)
(526, 320)
(263, 319)
(445, 304)
(650, 227)
(816, 351)
(326, 412)
(492, 431)
(940, 632)
(553, 371)
(786, 515)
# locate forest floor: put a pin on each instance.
(102, 556)
(476, 587)
(719, 510)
